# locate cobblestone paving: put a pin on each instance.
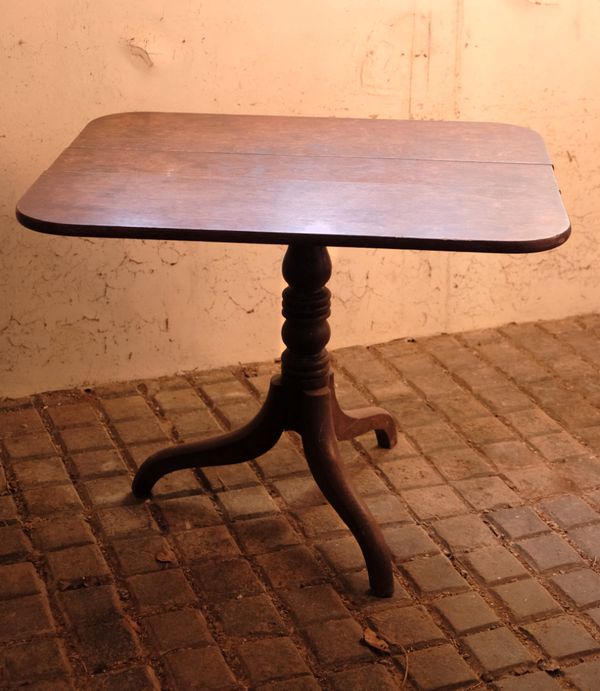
(243, 577)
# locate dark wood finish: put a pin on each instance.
(302, 399)
(265, 179)
(305, 182)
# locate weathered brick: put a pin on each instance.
(250, 615)
(161, 590)
(562, 637)
(131, 679)
(434, 502)
(89, 606)
(518, 522)
(194, 424)
(581, 587)
(262, 535)
(387, 508)
(526, 599)
(558, 446)
(183, 628)
(228, 477)
(180, 399)
(532, 422)
(290, 567)
(505, 399)
(410, 411)
(14, 543)
(494, 564)
(511, 455)
(337, 641)
(140, 430)
(569, 511)
(222, 580)
(411, 472)
(91, 464)
(587, 539)
(43, 658)
(199, 668)
(460, 405)
(408, 541)
(433, 575)
(536, 482)
(110, 491)
(498, 650)
(584, 675)
(29, 445)
(313, 604)
(438, 668)
(486, 493)
(144, 554)
(464, 532)
(407, 627)
(41, 502)
(364, 678)
(105, 644)
(247, 502)
(466, 612)
(548, 552)
(364, 479)
(460, 464)
(24, 617)
(17, 580)
(72, 414)
(40, 471)
(435, 436)
(318, 521)
(580, 472)
(183, 513)
(533, 681)
(122, 521)
(126, 408)
(19, 422)
(77, 565)
(342, 555)
(85, 438)
(211, 542)
(485, 430)
(8, 511)
(271, 658)
(299, 491)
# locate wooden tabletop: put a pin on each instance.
(265, 179)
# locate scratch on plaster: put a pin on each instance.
(139, 52)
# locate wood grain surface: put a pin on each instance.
(266, 179)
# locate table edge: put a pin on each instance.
(283, 238)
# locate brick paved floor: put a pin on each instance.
(243, 577)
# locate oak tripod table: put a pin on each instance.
(307, 183)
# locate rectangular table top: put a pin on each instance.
(332, 181)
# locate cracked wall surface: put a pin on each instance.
(77, 311)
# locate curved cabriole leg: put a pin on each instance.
(243, 444)
(353, 423)
(320, 447)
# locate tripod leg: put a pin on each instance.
(243, 444)
(352, 423)
(320, 447)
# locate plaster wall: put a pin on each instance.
(77, 311)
